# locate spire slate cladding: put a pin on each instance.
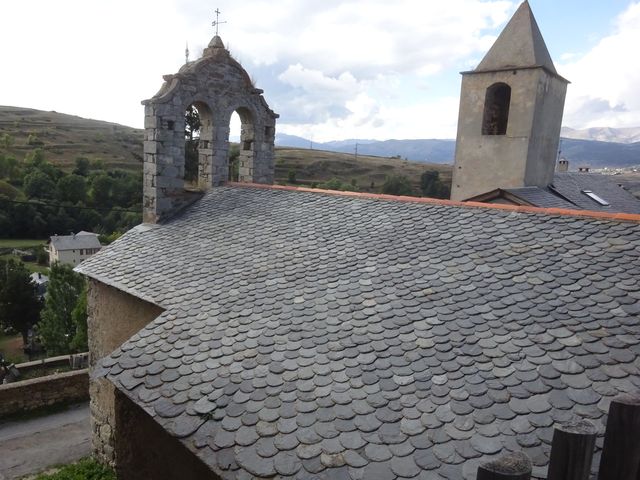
(520, 45)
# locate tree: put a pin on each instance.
(57, 328)
(38, 184)
(192, 123)
(291, 176)
(6, 141)
(397, 185)
(234, 163)
(72, 188)
(82, 166)
(192, 139)
(19, 302)
(8, 167)
(432, 186)
(336, 184)
(101, 190)
(79, 343)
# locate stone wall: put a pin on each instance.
(217, 86)
(145, 449)
(42, 392)
(526, 154)
(113, 318)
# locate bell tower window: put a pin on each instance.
(496, 109)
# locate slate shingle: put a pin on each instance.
(311, 335)
(570, 185)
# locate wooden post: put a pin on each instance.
(514, 466)
(621, 450)
(572, 451)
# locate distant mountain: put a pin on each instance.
(604, 134)
(66, 137)
(600, 154)
(292, 141)
(595, 154)
(425, 151)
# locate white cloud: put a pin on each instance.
(366, 119)
(363, 37)
(605, 84)
(333, 69)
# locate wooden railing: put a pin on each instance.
(572, 449)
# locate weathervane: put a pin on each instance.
(217, 22)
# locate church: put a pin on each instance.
(250, 331)
(509, 123)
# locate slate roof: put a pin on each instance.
(540, 197)
(74, 242)
(570, 185)
(309, 335)
(566, 192)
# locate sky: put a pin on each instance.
(332, 69)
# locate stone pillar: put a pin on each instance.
(220, 157)
(163, 160)
(264, 164)
(247, 153)
(205, 158)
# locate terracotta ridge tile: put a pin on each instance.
(622, 217)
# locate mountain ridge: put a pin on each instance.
(579, 152)
(65, 137)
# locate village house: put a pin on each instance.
(41, 282)
(251, 331)
(73, 249)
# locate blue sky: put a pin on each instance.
(333, 69)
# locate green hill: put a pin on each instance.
(317, 166)
(66, 137)
(63, 138)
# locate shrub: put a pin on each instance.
(85, 469)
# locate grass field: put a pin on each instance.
(368, 172)
(20, 242)
(11, 348)
(24, 244)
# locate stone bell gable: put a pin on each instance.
(217, 85)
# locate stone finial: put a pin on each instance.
(215, 47)
(216, 42)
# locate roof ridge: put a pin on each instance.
(622, 217)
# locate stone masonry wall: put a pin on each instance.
(146, 451)
(41, 392)
(218, 86)
(113, 317)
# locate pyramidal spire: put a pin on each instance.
(519, 45)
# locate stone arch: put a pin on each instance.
(249, 139)
(220, 85)
(205, 142)
(496, 109)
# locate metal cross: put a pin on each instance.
(216, 22)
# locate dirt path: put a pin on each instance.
(31, 446)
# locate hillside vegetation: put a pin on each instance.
(63, 138)
(54, 180)
(367, 173)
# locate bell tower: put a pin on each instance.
(510, 114)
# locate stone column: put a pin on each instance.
(220, 156)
